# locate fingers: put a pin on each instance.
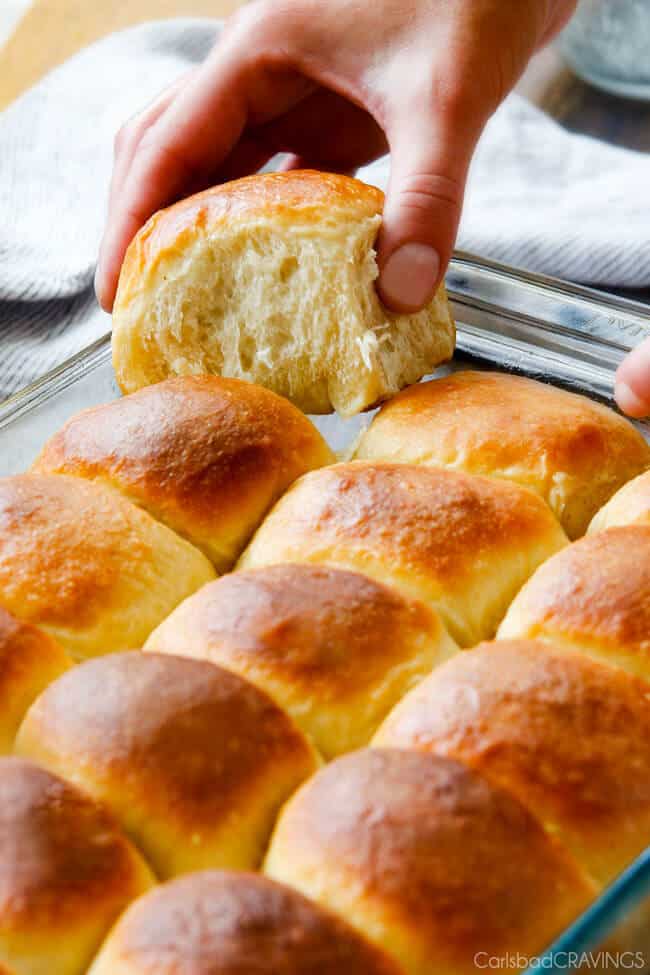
(430, 159)
(632, 389)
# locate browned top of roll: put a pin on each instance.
(594, 594)
(569, 736)
(442, 860)
(576, 453)
(277, 196)
(223, 923)
(63, 859)
(189, 738)
(83, 562)
(430, 519)
(423, 529)
(331, 631)
(202, 453)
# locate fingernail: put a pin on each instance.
(629, 402)
(409, 277)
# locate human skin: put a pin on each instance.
(337, 83)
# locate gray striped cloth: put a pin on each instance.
(539, 197)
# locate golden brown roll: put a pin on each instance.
(271, 279)
(571, 451)
(335, 649)
(206, 456)
(94, 571)
(594, 597)
(66, 873)
(193, 760)
(29, 661)
(221, 923)
(567, 735)
(629, 506)
(462, 544)
(428, 859)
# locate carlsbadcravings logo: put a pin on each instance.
(567, 960)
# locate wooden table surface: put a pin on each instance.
(52, 30)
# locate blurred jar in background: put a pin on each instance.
(608, 44)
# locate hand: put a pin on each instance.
(336, 83)
(633, 382)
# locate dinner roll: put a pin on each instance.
(94, 571)
(629, 506)
(193, 760)
(571, 451)
(221, 923)
(29, 661)
(271, 279)
(428, 859)
(594, 597)
(335, 649)
(66, 873)
(462, 544)
(206, 456)
(569, 736)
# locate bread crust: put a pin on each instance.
(66, 871)
(565, 734)
(193, 760)
(594, 596)
(336, 649)
(434, 534)
(205, 455)
(220, 923)
(427, 858)
(571, 451)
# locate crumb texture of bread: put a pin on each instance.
(427, 859)
(66, 873)
(335, 649)
(271, 279)
(567, 735)
(93, 570)
(594, 597)
(223, 923)
(573, 452)
(206, 456)
(192, 760)
(462, 544)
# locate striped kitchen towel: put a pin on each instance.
(539, 197)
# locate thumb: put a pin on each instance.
(633, 382)
(429, 163)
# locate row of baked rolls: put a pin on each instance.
(571, 451)
(460, 543)
(106, 535)
(67, 875)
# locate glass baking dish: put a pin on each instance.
(507, 320)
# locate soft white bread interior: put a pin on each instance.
(462, 544)
(336, 649)
(594, 596)
(427, 859)
(571, 451)
(271, 278)
(629, 506)
(223, 923)
(567, 735)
